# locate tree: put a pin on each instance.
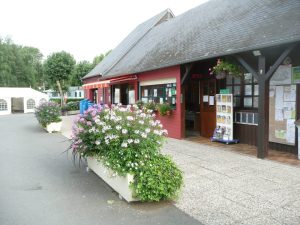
(99, 58)
(58, 68)
(19, 65)
(81, 69)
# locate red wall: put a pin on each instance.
(171, 123)
(91, 80)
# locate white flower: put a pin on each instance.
(124, 145)
(129, 141)
(156, 132)
(107, 141)
(124, 131)
(136, 131)
(130, 118)
(144, 135)
(141, 122)
(147, 130)
(136, 141)
(118, 127)
(98, 142)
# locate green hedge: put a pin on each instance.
(68, 100)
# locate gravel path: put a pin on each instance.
(223, 187)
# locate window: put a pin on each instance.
(79, 94)
(123, 94)
(75, 94)
(30, 104)
(3, 105)
(250, 91)
(159, 93)
(235, 86)
(245, 91)
(249, 118)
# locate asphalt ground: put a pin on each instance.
(40, 185)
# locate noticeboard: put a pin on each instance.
(282, 111)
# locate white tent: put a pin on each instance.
(20, 100)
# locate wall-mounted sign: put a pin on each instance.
(296, 75)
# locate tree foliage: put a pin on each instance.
(20, 66)
(84, 67)
(81, 69)
(99, 58)
(58, 68)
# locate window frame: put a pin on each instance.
(29, 103)
(3, 105)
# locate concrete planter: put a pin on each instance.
(118, 183)
(54, 127)
(73, 112)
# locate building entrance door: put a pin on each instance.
(17, 105)
(207, 107)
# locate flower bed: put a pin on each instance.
(128, 141)
(47, 113)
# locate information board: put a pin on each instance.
(282, 114)
(224, 128)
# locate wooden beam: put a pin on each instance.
(247, 66)
(278, 62)
(188, 68)
(263, 110)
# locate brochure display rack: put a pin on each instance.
(224, 129)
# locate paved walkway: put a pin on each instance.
(39, 185)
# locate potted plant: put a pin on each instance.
(223, 68)
(164, 109)
(122, 146)
(140, 104)
(151, 105)
(48, 116)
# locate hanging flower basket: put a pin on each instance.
(223, 68)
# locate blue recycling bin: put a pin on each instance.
(89, 104)
(82, 106)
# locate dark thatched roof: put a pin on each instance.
(216, 28)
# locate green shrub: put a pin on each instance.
(47, 112)
(71, 106)
(128, 140)
(158, 179)
(68, 100)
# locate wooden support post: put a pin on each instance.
(188, 68)
(263, 110)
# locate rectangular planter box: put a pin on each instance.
(74, 112)
(118, 183)
(53, 127)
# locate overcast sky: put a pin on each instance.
(84, 28)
